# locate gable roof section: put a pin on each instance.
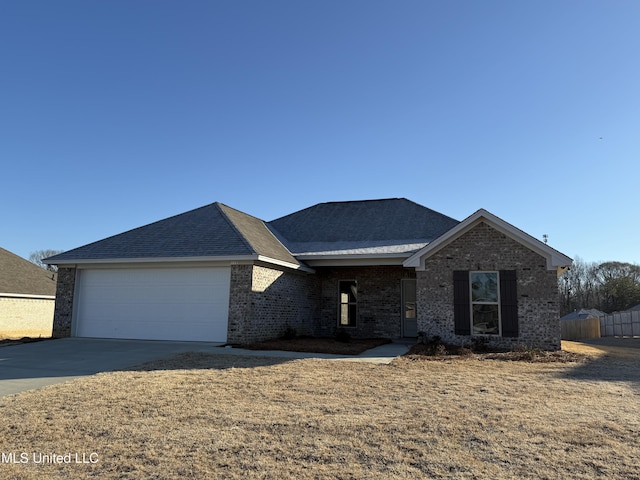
(261, 240)
(555, 259)
(394, 226)
(211, 232)
(20, 277)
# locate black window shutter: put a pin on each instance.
(461, 306)
(509, 303)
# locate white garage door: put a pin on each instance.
(153, 303)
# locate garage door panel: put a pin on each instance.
(158, 304)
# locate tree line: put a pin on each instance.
(608, 286)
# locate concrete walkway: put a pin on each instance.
(34, 365)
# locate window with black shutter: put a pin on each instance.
(509, 303)
(461, 312)
(485, 303)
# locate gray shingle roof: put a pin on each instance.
(20, 276)
(395, 225)
(211, 231)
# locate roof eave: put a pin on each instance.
(201, 259)
(27, 296)
(352, 260)
(119, 260)
(294, 266)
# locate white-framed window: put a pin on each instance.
(485, 303)
(348, 306)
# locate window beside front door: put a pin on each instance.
(409, 317)
(348, 307)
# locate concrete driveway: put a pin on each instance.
(34, 365)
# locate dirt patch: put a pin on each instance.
(319, 345)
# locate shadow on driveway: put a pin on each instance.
(34, 365)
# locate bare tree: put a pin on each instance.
(619, 285)
(37, 257)
(608, 286)
(577, 286)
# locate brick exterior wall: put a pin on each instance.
(264, 302)
(25, 317)
(379, 303)
(484, 248)
(239, 302)
(64, 302)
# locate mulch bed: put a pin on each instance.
(443, 352)
(319, 345)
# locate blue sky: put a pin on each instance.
(115, 114)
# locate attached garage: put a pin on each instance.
(153, 303)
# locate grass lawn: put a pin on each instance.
(354, 346)
(204, 416)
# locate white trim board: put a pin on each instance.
(555, 260)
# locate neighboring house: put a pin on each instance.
(377, 268)
(583, 313)
(27, 298)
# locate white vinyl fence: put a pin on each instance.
(620, 324)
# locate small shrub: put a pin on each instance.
(343, 336)
(465, 351)
(479, 344)
(439, 349)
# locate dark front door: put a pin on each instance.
(409, 313)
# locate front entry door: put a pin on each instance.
(409, 317)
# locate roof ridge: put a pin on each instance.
(255, 243)
(337, 202)
(244, 239)
(431, 210)
(364, 200)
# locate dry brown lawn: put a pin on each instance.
(203, 416)
(319, 345)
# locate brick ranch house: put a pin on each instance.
(377, 268)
